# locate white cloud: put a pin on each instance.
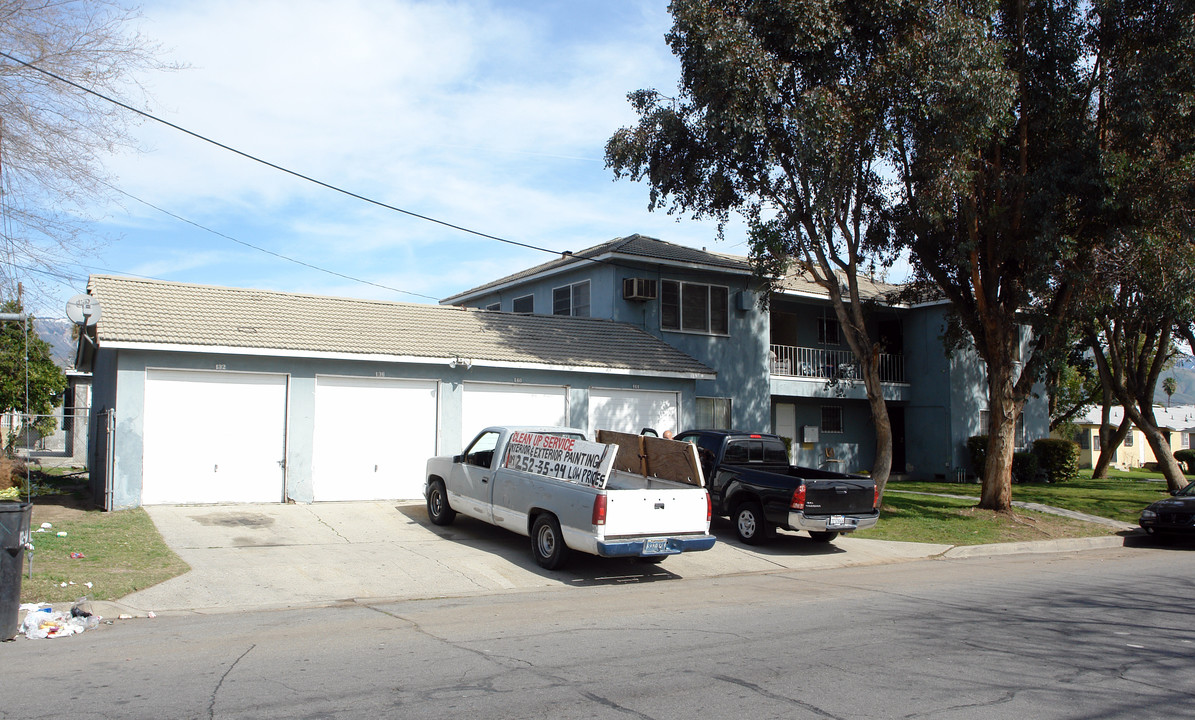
(488, 115)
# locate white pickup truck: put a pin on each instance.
(624, 496)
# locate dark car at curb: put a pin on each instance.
(1172, 517)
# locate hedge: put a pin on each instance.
(1187, 458)
(1058, 459)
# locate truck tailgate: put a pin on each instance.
(656, 511)
(843, 496)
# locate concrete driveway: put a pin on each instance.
(278, 556)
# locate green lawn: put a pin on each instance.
(949, 521)
(1120, 497)
(122, 553)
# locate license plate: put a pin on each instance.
(841, 521)
(655, 547)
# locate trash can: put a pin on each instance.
(14, 533)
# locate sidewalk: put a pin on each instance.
(257, 557)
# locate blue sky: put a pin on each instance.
(490, 115)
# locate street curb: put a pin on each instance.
(1036, 547)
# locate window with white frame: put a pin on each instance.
(525, 304)
(694, 307)
(1095, 440)
(713, 413)
(494, 306)
(1186, 441)
(832, 419)
(1128, 439)
(571, 300)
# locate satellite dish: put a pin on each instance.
(83, 310)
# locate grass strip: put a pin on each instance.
(122, 552)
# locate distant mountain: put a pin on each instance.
(57, 332)
(1184, 374)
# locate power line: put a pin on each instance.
(275, 166)
(264, 250)
(294, 173)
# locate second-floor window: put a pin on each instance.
(525, 304)
(571, 300)
(694, 307)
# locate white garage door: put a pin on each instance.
(632, 410)
(373, 437)
(213, 437)
(486, 404)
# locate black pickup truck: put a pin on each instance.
(751, 482)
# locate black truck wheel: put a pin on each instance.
(749, 523)
(547, 543)
(824, 536)
(438, 510)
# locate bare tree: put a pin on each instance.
(54, 138)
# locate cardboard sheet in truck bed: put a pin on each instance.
(655, 457)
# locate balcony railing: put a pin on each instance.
(818, 363)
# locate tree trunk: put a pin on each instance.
(1109, 442)
(996, 491)
(881, 469)
(1144, 419)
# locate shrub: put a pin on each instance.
(1058, 459)
(1187, 458)
(1024, 467)
(977, 449)
(12, 473)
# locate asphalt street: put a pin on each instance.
(1103, 633)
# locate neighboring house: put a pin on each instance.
(786, 368)
(66, 446)
(210, 394)
(1178, 424)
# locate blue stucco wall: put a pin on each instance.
(740, 359)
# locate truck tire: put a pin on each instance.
(750, 525)
(547, 542)
(438, 510)
(823, 536)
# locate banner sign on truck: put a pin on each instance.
(579, 461)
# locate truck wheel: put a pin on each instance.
(547, 543)
(824, 536)
(749, 523)
(438, 510)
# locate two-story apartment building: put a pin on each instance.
(783, 366)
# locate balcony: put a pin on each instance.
(821, 364)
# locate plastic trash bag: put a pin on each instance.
(50, 623)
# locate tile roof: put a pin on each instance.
(800, 282)
(169, 313)
(633, 247)
(1179, 417)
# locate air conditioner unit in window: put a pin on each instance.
(638, 289)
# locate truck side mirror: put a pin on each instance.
(457, 458)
